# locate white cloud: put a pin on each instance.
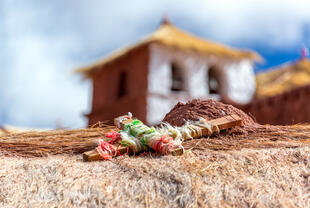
(42, 88)
(43, 41)
(276, 24)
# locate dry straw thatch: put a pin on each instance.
(34, 144)
(172, 37)
(283, 79)
(42, 143)
(268, 166)
(273, 177)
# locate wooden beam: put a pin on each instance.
(93, 155)
(177, 152)
(223, 123)
(121, 121)
(226, 122)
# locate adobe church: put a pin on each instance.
(149, 77)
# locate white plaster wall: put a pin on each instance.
(160, 100)
(157, 108)
(240, 81)
(197, 82)
(159, 71)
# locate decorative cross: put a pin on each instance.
(216, 125)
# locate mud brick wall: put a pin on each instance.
(106, 100)
(284, 109)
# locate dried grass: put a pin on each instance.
(268, 166)
(261, 136)
(283, 79)
(34, 144)
(42, 143)
(247, 178)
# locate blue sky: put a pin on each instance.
(42, 42)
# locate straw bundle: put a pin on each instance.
(35, 144)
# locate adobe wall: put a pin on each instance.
(284, 109)
(105, 102)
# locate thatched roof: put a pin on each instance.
(173, 37)
(284, 78)
(265, 167)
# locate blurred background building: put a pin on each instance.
(170, 65)
(149, 77)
